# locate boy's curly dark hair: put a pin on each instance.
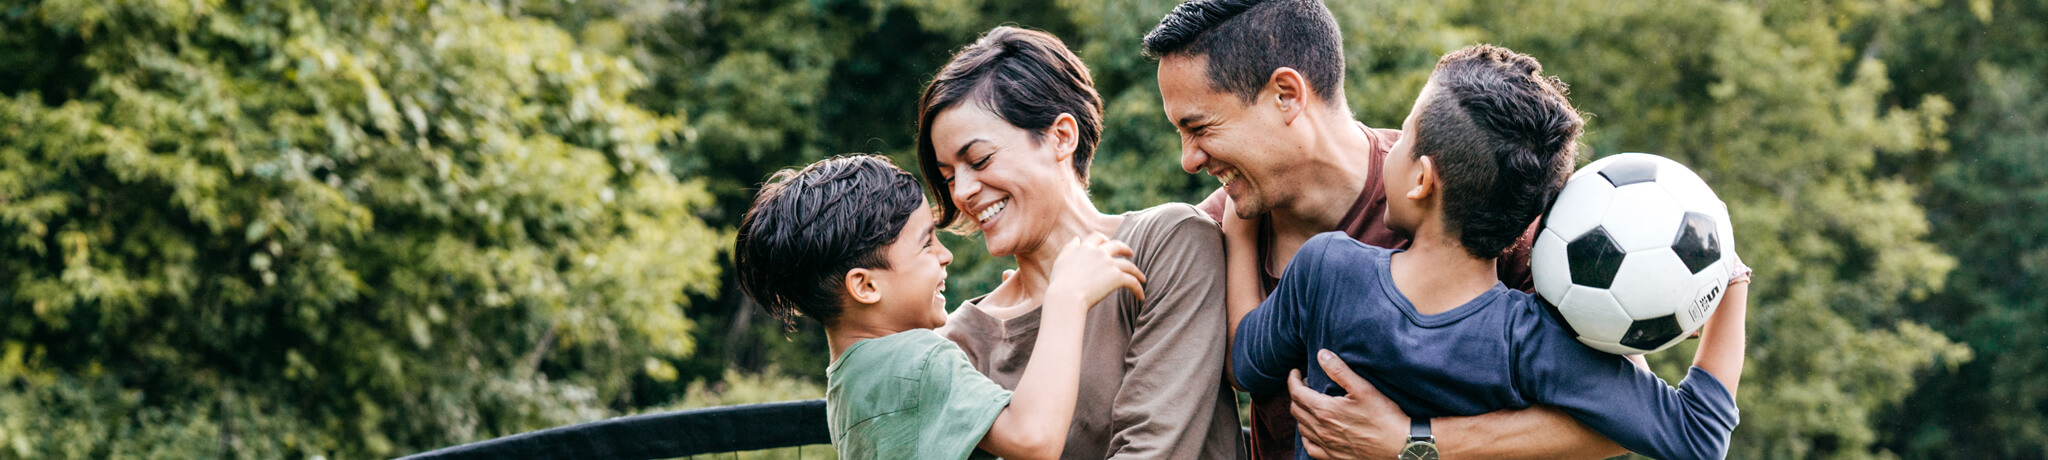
(807, 228)
(1503, 137)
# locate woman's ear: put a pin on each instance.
(863, 286)
(1065, 135)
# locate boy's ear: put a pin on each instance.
(863, 286)
(1427, 184)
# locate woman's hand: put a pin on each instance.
(1092, 266)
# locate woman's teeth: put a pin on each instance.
(992, 210)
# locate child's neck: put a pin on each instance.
(846, 332)
(1437, 275)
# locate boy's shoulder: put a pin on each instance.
(902, 354)
(1336, 246)
(908, 394)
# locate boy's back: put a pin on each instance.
(1498, 351)
(912, 391)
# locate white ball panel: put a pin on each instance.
(1594, 314)
(1652, 283)
(1579, 207)
(1549, 267)
(1642, 217)
(1687, 189)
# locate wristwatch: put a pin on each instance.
(1421, 445)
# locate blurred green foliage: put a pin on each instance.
(354, 229)
(363, 229)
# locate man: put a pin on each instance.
(1256, 89)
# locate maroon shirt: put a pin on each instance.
(1272, 426)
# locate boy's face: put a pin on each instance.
(1403, 172)
(913, 289)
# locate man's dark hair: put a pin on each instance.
(807, 228)
(1027, 78)
(1503, 136)
(1246, 40)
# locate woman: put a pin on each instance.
(1005, 134)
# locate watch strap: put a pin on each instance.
(1418, 430)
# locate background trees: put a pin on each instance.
(370, 228)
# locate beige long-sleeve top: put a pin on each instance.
(1152, 372)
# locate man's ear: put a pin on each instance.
(1065, 136)
(863, 286)
(1288, 91)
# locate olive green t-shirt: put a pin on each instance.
(909, 395)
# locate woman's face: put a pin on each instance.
(1005, 184)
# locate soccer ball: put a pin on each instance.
(1635, 255)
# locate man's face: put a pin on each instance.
(1244, 145)
(914, 286)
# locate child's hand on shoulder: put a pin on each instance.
(1092, 266)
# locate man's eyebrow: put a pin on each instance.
(1190, 120)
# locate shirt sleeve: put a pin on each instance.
(1174, 364)
(1213, 205)
(1627, 404)
(1269, 339)
(958, 405)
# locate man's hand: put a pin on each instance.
(1361, 424)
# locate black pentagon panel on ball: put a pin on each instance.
(1697, 244)
(1595, 258)
(1650, 333)
(1629, 171)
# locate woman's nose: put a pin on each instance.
(964, 187)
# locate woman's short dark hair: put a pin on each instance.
(1503, 136)
(1027, 78)
(807, 228)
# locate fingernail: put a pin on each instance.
(1325, 355)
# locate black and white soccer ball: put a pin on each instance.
(1635, 254)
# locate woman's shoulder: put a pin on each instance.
(1172, 236)
(1173, 220)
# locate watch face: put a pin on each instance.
(1419, 451)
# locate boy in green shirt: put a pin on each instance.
(849, 241)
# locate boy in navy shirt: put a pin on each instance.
(1486, 148)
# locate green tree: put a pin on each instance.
(350, 229)
(1984, 199)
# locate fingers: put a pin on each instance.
(1341, 373)
(1117, 248)
(1313, 449)
(1132, 279)
(1299, 391)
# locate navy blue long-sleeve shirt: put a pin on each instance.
(1498, 351)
